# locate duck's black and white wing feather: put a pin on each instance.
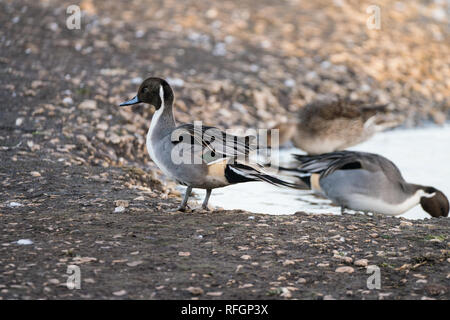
(214, 140)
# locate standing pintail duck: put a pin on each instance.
(333, 125)
(367, 182)
(215, 164)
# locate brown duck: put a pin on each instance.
(332, 125)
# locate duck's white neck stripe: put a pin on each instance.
(151, 131)
(157, 114)
(161, 95)
(428, 195)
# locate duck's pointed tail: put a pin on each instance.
(237, 173)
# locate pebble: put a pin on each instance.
(88, 105)
(35, 174)
(135, 263)
(196, 291)
(184, 253)
(175, 82)
(362, 263)
(19, 122)
(421, 281)
(122, 203)
(119, 209)
(288, 262)
(405, 224)
(215, 294)
(24, 242)
(344, 269)
(136, 80)
(120, 293)
(67, 101)
(285, 293)
(13, 204)
(323, 265)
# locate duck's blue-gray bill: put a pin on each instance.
(130, 102)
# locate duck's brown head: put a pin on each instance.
(154, 91)
(434, 202)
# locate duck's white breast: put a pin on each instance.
(377, 205)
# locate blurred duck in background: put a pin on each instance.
(366, 182)
(333, 125)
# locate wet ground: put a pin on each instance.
(69, 158)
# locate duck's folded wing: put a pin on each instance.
(328, 163)
(324, 163)
(213, 140)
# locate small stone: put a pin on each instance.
(137, 80)
(196, 291)
(135, 263)
(184, 254)
(24, 242)
(436, 289)
(323, 265)
(81, 260)
(214, 294)
(362, 263)
(421, 281)
(285, 293)
(67, 101)
(382, 296)
(35, 174)
(301, 280)
(345, 259)
(53, 281)
(119, 209)
(88, 105)
(175, 82)
(120, 293)
(405, 224)
(122, 203)
(246, 257)
(288, 262)
(344, 269)
(13, 204)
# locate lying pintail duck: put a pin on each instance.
(211, 152)
(366, 182)
(332, 125)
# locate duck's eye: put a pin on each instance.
(145, 89)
